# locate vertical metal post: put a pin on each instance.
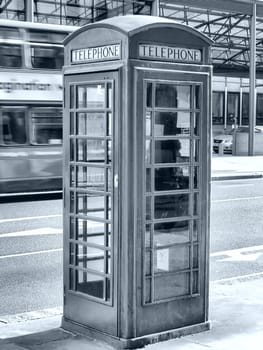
(225, 105)
(156, 8)
(252, 82)
(29, 11)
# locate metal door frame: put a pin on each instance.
(85, 301)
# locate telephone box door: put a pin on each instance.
(172, 199)
(91, 200)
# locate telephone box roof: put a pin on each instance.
(132, 24)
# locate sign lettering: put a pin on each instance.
(100, 53)
(175, 54)
(30, 86)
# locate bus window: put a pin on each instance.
(40, 36)
(13, 127)
(47, 128)
(9, 33)
(10, 55)
(47, 57)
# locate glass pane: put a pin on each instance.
(168, 179)
(172, 151)
(71, 149)
(90, 150)
(148, 208)
(166, 287)
(196, 230)
(91, 177)
(259, 114)
(196, 144)
(9, 32)
(166, 233)
(72, 131)
(197, 96)
(47, 127)
(13, 127)
(172, 123)
(148, 180)
(109, 180)
(109, 152)
(11, 56)
(169, 206)
(147, 263)
(108, 262)
(90, 231)
(196, 203)
(71, 96)
(90, 258)
(91, 96)
(91, 204)
(196, 177)
(45, 36)
(196, 256)
(108, 235)
(90, 284)
(47, 57)
(171, 259)
(148, 290)
(149, 95)
(72, 176)
(72, 228)
(232, 108)
(71, 279)
(148, 124)
(108, 289)
(245, 108)
(195, 282)
(173, 96)
(109, 95)
(109, 124)
(91, 124)
(197, 124)
(108, 208)
(71, 253)
(218, 108)
(72, 202)
(148, 151)
(147, 236)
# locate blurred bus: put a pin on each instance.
(31, 58)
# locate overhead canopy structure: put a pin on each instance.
(227, 22)
(235, 26)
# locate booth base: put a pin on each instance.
(133, 343)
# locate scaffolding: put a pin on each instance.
(227, 24)
(235, 26)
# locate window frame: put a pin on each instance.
(27, 133)
(47, 110)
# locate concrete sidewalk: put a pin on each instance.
(236, 305)
(228, 167)
(236, 314)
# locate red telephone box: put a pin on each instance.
(136, 180)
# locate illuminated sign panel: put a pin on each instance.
(175, 54)
(100, 53)
(29, 86)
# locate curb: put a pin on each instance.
(236, 177)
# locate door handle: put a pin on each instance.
(116, 181)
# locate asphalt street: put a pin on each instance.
(31, 245)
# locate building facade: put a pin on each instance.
(235, 26)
